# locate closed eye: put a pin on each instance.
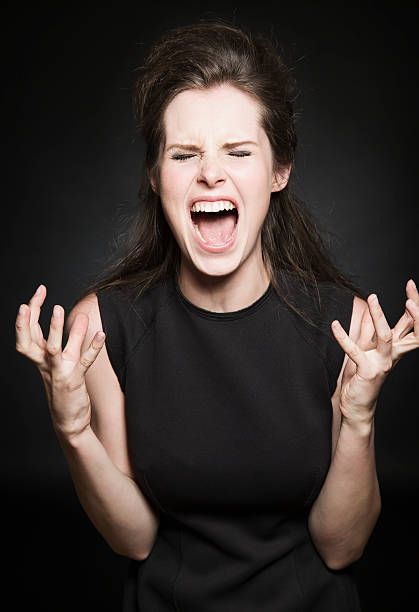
(184, 156)
(240, 153)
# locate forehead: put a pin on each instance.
(223, 111)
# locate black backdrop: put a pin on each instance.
(72, 163)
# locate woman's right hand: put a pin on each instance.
(62, 372)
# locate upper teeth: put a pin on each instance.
(213, 206)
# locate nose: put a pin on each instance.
(211, 171)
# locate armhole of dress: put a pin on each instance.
(114, 340)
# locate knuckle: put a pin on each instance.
(387, 337)
(53, 349)
(85, 361)
(72, 385)
(20, 348)
(58, 379)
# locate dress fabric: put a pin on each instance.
(229, 421)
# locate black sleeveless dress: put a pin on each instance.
(229, 424)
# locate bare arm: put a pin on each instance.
(345, 512)
(111, 499)
(347, 508)
(87, 408)
(99, 462)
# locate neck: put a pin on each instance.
(223, 293)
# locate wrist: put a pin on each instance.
(73, 438)
(362, 428)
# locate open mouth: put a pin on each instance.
(215, 228)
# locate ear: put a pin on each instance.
(152, 182)
(280, 178)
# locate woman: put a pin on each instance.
(222, 437)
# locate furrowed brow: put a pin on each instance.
(192, 147)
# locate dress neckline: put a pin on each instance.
(222, 316)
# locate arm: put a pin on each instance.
(346, 510)
(98, 458)
(344, 514)
(111, 499)
(79, 381)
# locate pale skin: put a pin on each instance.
(87, 404)
(347, 508)
(204, 123)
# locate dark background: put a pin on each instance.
(71, 178)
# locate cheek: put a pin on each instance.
(254, 176)
(257, 214)
(174, 183)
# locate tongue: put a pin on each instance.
(216, 228)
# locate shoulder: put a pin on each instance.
(88, 307)
(112, 309)
(343, 304)
(103, 383)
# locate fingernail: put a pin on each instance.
(413, 283)
(22, 309)
(39, 289)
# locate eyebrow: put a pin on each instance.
(227, 145)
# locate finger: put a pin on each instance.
(55, 336)
(411, 341)
(24, 341)
(35, 304)
(412, 291)
(414, 311)
(90, 354)
(368, 337)
(403, 326)
(76, 337)
(23, 335)
(350, 347)
(382, 328)
(405, 323)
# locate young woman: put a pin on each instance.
(222, 435)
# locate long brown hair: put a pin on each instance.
(199, 56)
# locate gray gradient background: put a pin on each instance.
(71, 179)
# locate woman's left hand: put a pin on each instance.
(375, 354)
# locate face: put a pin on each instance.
(207, 165)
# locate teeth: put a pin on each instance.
(212, 206)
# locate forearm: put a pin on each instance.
(345, 512)
(113, 501)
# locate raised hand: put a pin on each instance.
(375, 354)
(62, 371)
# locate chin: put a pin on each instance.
(216, 265)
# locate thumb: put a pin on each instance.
(90, 354)
(368, 337)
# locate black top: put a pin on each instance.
(229, 423)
